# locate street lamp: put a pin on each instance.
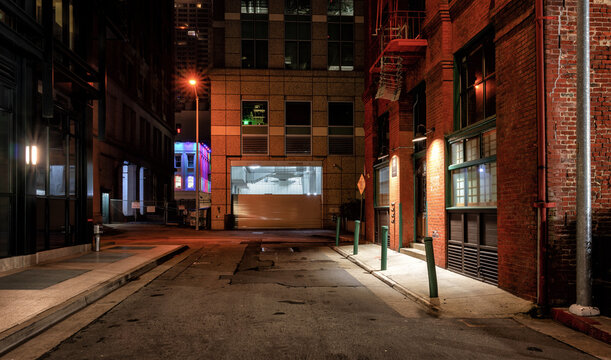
(193, 83)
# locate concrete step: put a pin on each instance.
(416, 253)
(418, 246)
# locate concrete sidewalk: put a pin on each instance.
(35, 298)
(463, 297)
(459, 296)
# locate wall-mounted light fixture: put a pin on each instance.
(31, 155)
(422, 132)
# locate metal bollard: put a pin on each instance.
(97, 231)
(400, 227)
(430, 264)
(384, 247)
(339, 220)
(357, 229)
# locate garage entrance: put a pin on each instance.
(277, 196)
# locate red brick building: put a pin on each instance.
(496, 194)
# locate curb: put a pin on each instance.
(390, 282)
(21, 333)
(586, 325)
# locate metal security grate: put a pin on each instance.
(488, 266)
(455, 257)
(254, 144)
(341, 145)
(298, 145)
(472, 246)
(470, 265)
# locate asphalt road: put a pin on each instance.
(251, 299)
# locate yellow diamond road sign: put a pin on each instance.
(361, 184)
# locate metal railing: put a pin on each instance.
(397, 25)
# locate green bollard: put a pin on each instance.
(430, 264)
(339, 220)
(384, 247)
(400, 227)
(357, 229)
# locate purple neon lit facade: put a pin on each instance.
(184, 164)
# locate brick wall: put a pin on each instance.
(560, 46)
(516, 149)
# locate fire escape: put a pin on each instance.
(395, 44)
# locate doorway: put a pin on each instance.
(420, 211)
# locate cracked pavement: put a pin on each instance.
(291, 299)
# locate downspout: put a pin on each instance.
(541, 204)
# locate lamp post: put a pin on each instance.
(193, 83)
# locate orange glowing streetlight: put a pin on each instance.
(193, 83)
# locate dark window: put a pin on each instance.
(341, 128)
(477, 84)
(419, 114)
(382, 135)
(340, 16)
(254, 22)
(298, 128)
(297, 34)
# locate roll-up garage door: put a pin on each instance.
(277, 196)
(277, 211)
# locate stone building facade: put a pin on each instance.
(286, 111)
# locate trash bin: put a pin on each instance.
(229, 221)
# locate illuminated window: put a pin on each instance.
(191, 182)
(476, 83)
(473, 170)
(382, 197)
(276, 180)
(177, 182)
(254, 127)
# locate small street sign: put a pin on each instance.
(361, 184)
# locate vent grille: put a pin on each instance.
(489, 266)
(455, 257)
(254, 144)
(343, 145)
(298, 145)
(470, 261)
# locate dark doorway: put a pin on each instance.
(420, 199)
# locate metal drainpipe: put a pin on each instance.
(541, 203)
(583, 305)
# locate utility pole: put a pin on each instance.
(583, 306)
(193, 83)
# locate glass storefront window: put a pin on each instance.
(382, 187)
(458, 188)
(472, 149)
(276, 180)
(457, 153)
(57, 163)
(474, 185)
(489, 143)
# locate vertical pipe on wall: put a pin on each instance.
(541, 159)
(583, 305)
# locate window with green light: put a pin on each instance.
(254, 113)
